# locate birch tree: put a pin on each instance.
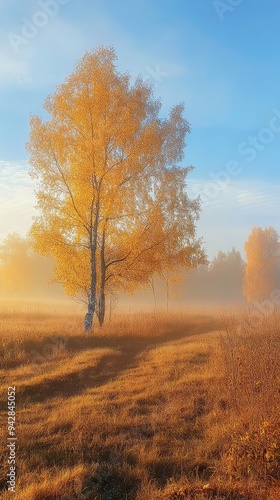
(111, 195)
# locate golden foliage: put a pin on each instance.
(263, 261)
(112, 200)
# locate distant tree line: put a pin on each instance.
(226, 279)
(230, 279)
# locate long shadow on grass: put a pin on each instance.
(110, 366)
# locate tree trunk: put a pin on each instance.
(88, 321)
(102, 298)
(167, 296)
(102, 308)
(89, 318)
(110, 308)
(167, 288)
(154, 293)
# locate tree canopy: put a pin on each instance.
(263, 262)
(111, 194)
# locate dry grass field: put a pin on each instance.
(178, 406)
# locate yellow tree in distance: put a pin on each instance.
(263, 261)
(111, 196)
(15, 267)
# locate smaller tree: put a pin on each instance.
(15, 265)
(220, 281)
(23, 273)
(263, 258)
(225, 275)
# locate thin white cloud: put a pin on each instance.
(11, 69)
(17, 198)
(229, 213)
(249, 195)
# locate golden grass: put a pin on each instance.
(167, 406)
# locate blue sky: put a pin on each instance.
(221, 60)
